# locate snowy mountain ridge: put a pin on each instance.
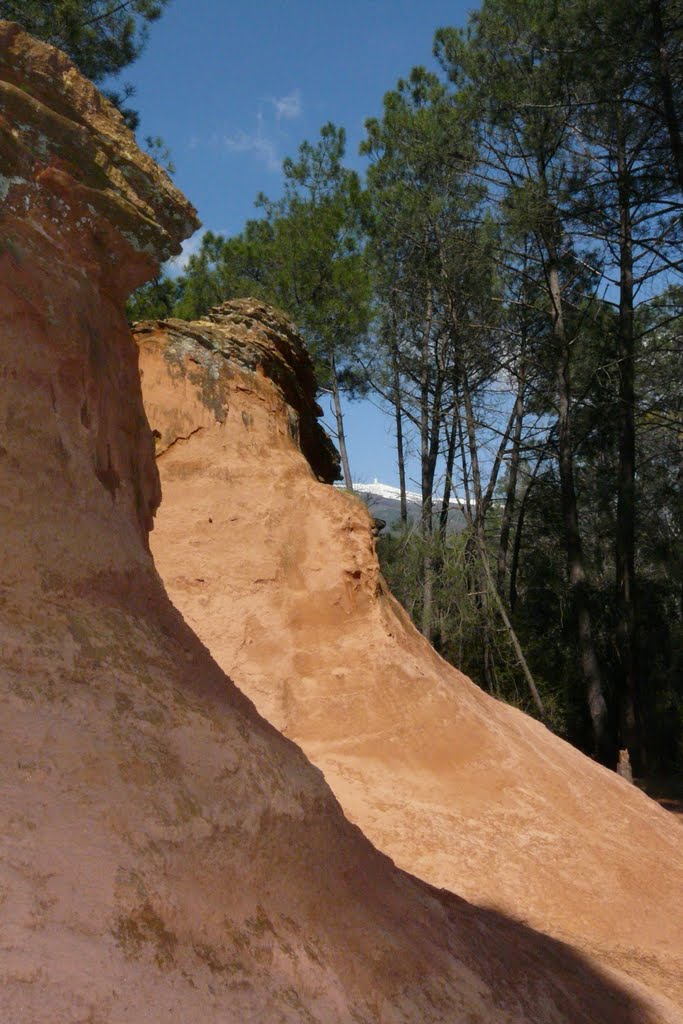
(390, 493)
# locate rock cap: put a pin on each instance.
(59, 134)
(255, 337)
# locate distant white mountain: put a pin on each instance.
(384, 501)
(387, 491)
(391, 493)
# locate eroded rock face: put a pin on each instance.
(165, 854)
(278, 575)
(256, 338)
(84, 217)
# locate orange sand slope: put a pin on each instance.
(165, 854)
(277, 573)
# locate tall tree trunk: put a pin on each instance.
(341, 438)
(428, 466)
(665, 87)
(535, 696)
(625, 527)
(597, 706)
(472, 441)
(469, 514)
(516, 550)
(448, 482)
(519, 533)
(511, 489)
(398, 414)
(479, 539)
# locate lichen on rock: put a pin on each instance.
(67, 155)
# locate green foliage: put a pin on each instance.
(159, 151)
(226, 268)
(523, 218)
(461, 618)
(101, 36)
(154, 301)
(305, 255)
(317, 271)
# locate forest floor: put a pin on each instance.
(667, 790)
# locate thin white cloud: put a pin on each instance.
(260, 143)
(289, 107)
(265, 142)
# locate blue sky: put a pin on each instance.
(233, 89)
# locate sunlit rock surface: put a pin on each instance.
(277, 573)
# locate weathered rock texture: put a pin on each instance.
(165, 854)
(261, 341)
(278, 575)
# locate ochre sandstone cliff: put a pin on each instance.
(165, 854)
(277, 573)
